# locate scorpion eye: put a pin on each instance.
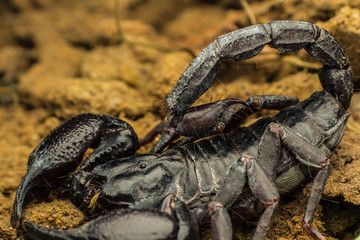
(142, 165)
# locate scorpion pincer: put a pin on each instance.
(218, 163)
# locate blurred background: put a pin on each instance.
(122, 57)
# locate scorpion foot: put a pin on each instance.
(313, 232)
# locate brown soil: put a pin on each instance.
(62, 58)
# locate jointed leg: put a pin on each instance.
(262, 187)
(230, 188)
(316, 191)
(312, 156)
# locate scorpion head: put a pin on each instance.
(126, 182)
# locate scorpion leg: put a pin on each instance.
(260, 184)
(260, 175)
(230, 188)
(316, 191)
(63, 149)
(180, 211)
(309, 155)
(264, 189)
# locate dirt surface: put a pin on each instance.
(62, 58)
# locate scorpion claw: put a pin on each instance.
(118, 224)
(207, 119)
(63, 149)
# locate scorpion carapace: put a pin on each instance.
(245, 168)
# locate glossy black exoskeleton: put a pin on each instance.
(272, 156)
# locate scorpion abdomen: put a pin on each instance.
(209, 159)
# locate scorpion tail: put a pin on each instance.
(336, 76)
(286, 36)
(338, 82)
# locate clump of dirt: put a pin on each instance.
(59, 59)
(62, 214)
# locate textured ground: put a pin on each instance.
(62, 58)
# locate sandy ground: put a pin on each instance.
(59, 59)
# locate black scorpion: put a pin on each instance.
(218, 164)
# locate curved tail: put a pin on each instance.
(286, 36)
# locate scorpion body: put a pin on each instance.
(208, 171)
(206, 161)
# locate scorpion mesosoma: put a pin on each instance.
(193, 180)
